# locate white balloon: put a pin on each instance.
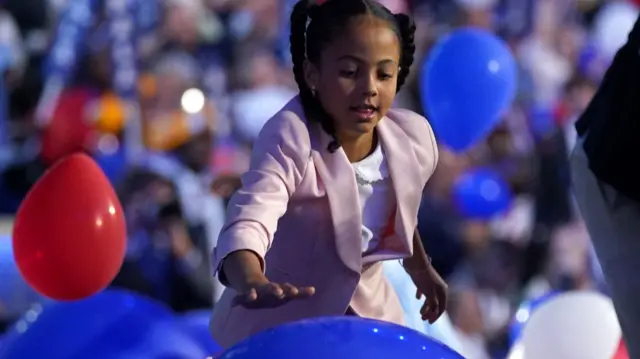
(517, 351)
(572, 325)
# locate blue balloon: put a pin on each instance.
(113, 324)
(524, 313)
(481, 194)
(340, 338)
(467, 82)
(196, 324)
(114, 165)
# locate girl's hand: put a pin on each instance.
(244, 272)
(271, 295)
(430, 284)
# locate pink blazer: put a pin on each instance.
(298, 209)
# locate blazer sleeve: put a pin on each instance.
(278, 163)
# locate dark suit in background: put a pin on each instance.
(606, 181)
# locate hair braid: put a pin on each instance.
(298, 47)
(407, 31)
(297, 43)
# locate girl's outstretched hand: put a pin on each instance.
(430, 284)
(271, 295)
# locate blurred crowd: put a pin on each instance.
(211, 72)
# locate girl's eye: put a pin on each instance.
(348, 73)
(385, 77)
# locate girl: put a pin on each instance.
(334, 185)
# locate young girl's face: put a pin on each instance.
(356, 78)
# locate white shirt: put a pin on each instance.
(376, 197)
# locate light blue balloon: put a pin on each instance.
(442, 330)
(467, 82)
(16, 296)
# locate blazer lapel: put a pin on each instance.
(340, 185)
(339, 180)
(405, 178)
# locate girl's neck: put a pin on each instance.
(358, 148)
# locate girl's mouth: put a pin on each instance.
(365, 112)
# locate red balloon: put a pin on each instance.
(69, 130)
(69, 236)
(621, 353)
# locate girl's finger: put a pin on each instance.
(245, 298)
(289, 290)
(252, 295)
(426, 308)
(432, 308)
(272, 290)
(306, 292)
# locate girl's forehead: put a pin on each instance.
(367, 35)
(366, 22)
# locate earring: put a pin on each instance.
(313, 91)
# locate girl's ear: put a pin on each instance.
(311, 74)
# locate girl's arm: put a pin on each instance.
(243, 269)
(278, 163)
(419, 261)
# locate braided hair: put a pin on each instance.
(314, 26)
